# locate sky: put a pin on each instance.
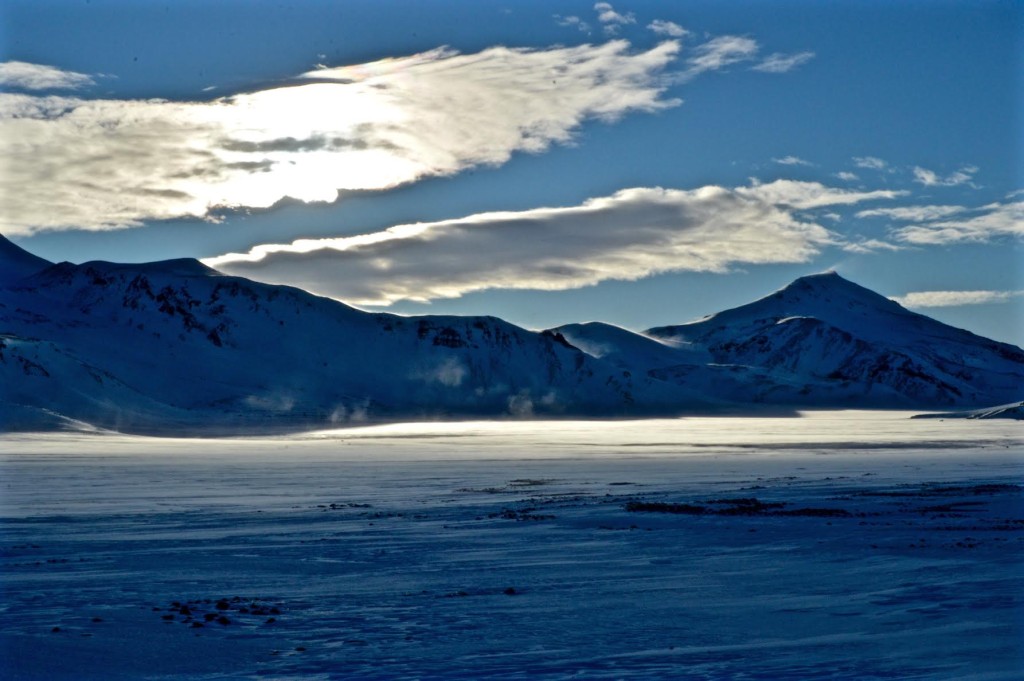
(639, 163)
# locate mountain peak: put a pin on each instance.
(824, 281)
(826, 277)
(830, 287)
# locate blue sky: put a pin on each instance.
(638, 163)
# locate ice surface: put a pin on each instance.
(897, 551)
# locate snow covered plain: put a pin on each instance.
(838, 545)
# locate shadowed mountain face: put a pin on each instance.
(17, 263)
(176, 347)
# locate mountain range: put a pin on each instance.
(175, 347)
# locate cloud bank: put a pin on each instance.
(68, 162)
(629, 235)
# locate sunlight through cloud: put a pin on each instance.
(368, 126)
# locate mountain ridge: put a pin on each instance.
(17, 262)
(177, 347)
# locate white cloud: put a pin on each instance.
(870, 162)
(871, 246)
(99, 164)
(955, 298)
(912, 213)
(781, 63)
(667, 28)
(996, 220)
(792, 161)
(720, 52)
(632, 234)
(931, 179)
(25, 76)
(611, 19)
(573, 22)
(810, 195)
(847, 176)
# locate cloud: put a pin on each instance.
(930, 179)
(955, 298)
(97, 164)
(611, 19)
(792, 161)
(720, 52)
(847, 176)
(870, 162)
(871, 246)
(912, 213)
(667, 28)
(994, 221)
(781, 63)
(25, 76)
(573, 22)
(810, 195)
(629, 235)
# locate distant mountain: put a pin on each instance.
(847, 344)
(176, 347)
(822, 341)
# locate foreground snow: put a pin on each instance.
(877, 547)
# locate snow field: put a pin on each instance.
(877, 547)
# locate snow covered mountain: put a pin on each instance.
(821, 341)
(846, 344)
(175, 346)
